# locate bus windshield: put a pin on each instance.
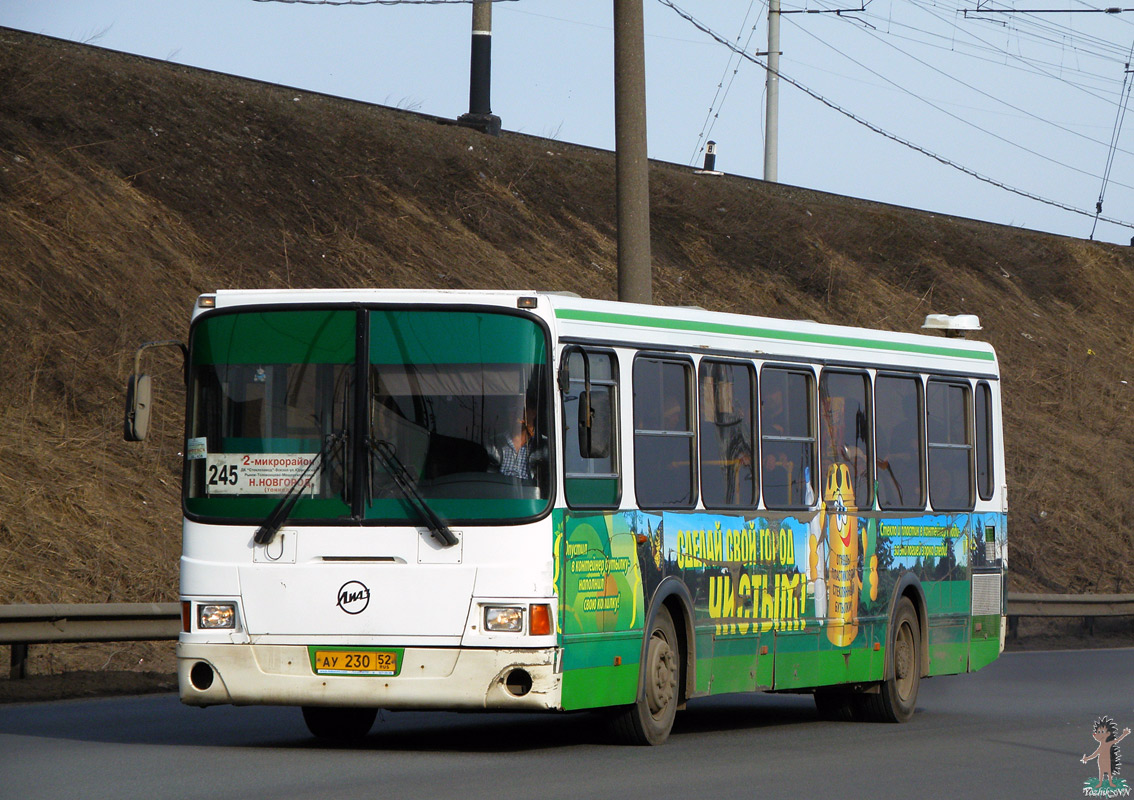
(456, 405)
(459, 397)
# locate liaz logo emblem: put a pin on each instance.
(354, 597)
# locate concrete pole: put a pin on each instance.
(772, 114)
(480, 114)
(635, 279)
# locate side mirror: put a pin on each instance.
(595, 423)
(139, 394)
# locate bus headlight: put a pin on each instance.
(211, 616)
(504, 618)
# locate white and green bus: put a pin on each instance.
(531, 501)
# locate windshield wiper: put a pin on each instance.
(408, 486)
(267, 532)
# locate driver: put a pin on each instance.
(514, 451)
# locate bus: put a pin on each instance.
(500, 500)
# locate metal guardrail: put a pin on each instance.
(23, 625)
(1087, 606)
(1070, 605)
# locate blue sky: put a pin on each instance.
(1026, 100)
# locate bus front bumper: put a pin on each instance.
(429, 678)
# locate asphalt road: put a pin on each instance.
(1016, 729)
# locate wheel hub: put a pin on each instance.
(903, 659)
(661, 674)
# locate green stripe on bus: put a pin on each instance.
(768, 333)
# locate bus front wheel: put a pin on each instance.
(339, 724)
(897, 695)
(650, 718)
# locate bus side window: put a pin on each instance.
(900, 463)
(844, 430)
(592, 479)
(787, 438)
(664, 439)
(986, 479)
(728, 469)
(947, 415)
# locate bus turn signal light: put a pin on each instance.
(539, 619)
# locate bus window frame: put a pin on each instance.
(870, 444)
(808, 371)
(754, 411)
(614, 382)
(969, 446)
(923, 446)
(690, 369)
(989, 444)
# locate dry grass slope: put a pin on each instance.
(129, 186)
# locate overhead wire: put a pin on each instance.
(1045, 32)
(1119, 17)
(922, 5)
(971, 41)
(978, 53)
(956, 117)
(886, 25)
(881, 131)
(1039, 28)
(970, 87)
(710, 116)
(1114, 140)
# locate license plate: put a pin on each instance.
(355, 662)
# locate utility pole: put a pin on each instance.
(632, 176)
(480, 114)
(772, 112)
(772, 109)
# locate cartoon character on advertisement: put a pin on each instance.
(840, 541)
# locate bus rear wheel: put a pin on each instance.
(649, 720)
(338, 724)
(897, 696)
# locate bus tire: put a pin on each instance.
(338, 724)
(897, 696)
(649, 720)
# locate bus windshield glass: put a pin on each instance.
(456, 404)
(268, 390)
(460, 400)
